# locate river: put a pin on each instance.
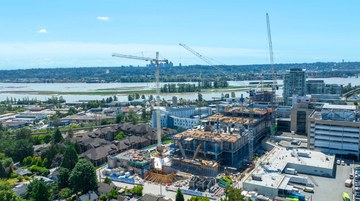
(22, 90)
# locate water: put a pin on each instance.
(21, 90)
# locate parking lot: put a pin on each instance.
(331, 188)
(356, 183)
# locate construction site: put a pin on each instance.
(223, 140)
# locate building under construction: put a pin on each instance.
(223, 139)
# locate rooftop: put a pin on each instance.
(259, 111)
(207, 135)
(136, 156)
(271, 168)
(339, 107)
(228, 119)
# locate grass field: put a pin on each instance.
(129, 91)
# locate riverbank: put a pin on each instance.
(126, 92)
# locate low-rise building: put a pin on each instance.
(87, 118)
(137, 160)
(269, 179)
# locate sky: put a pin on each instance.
(80, 33)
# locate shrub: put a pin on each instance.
(120, 136)
(137, 190)
(39, 170)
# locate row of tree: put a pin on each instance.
(187, 87)
(174, 88)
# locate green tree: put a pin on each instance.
(23, 133)
(3, 173)
(119, 118)
(6, 192)
(37, 190)
(107, 180)
(103, 197)
(63, 177)
(70, 158)
(196, 198)
(131, 117)
(22, 149)
(120, 136)
(65, 193)
(83, 177)
(130, 97)
(143, 114)
(72, 111)
(57, 137)
(200, 98)
(137, 96)
(232, 94)
(179, 195)
(137, 190)
(70, 133)
(233, 194)
(113, 194)
(143, 96)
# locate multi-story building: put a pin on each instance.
(315, 86)
(182, 117)
(294, 84)
(333, 89)
(220, 147)
(335, 129)
(319, 87)
(222, 140)
(300, 110)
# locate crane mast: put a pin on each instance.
(157, 61)
(273, 91)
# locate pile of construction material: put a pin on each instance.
(160, 178)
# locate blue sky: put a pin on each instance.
(65, 33)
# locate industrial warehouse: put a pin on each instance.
(277, 173)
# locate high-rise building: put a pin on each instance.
(294, 84)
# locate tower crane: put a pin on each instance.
(273, 88)
(157, 61)
(205, 59)
(251, 94)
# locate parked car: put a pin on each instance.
(309, 189)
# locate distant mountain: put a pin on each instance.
(176, 73)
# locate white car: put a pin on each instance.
(338, 162)
(342, 163)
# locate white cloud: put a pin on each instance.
(42, 31)
(103, 18)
